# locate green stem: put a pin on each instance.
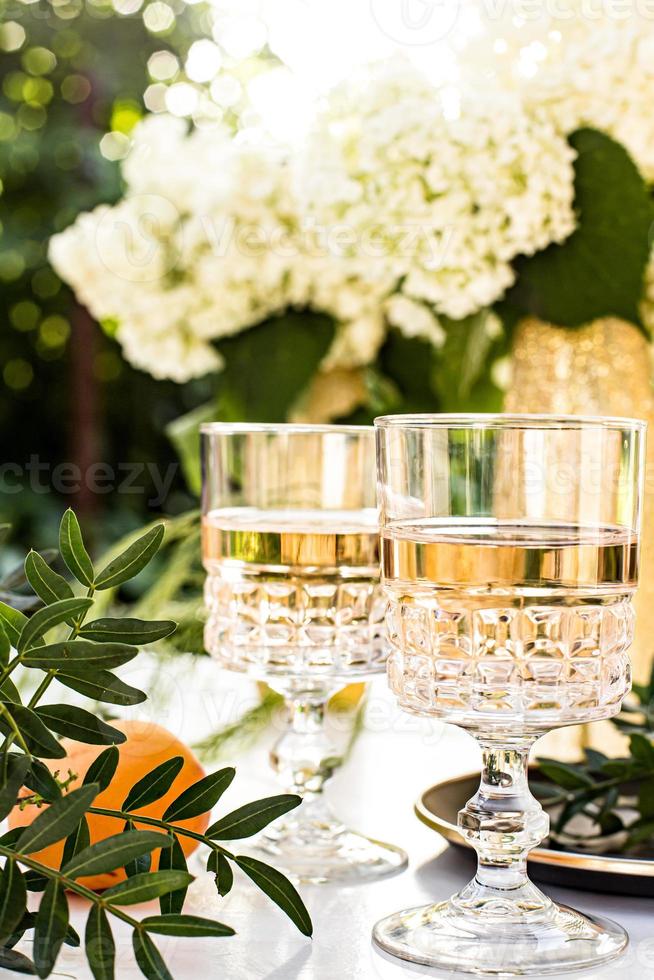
(163, 824)
(68, 883)
(569, 796)
(16, 733)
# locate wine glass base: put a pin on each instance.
(320, 850)
(492, 944)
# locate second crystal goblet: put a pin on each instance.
(510, 557)
(291, 549)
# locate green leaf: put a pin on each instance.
(51, 928)
(35, 881)
(173, 858)
(251, 818)
(27, 922)
(136, 631)
(185, 925)
(599, 270)
(568, 776)
(72, 937)
(148, 957)
(642, 749)
(154, 785)
(11, 959)
(9, 691)
(103, 769)
(34, 732)
(76, 842)
(132, 561)
(289, 347)
(99, 944)
(48, 617)
(100, 685)
(73, 552)
(40, 780)
(17, 766)
(114, 852)
(58, 821)
(77, 723)
(279, 889)
(48, 584)
(13, 622)
(184, 433)
(145, 887)
(79, 656)
(5, 647)
(460, 377)
(201, 797)
(13, 898)
(220, 866)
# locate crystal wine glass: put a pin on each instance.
(291, 549)
(510, 559)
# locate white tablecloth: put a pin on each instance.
(394, 759)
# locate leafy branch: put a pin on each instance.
(60, 644)
(598, 787)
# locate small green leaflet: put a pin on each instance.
(58, 821)
(13, 899)
(41, 781)
(154, 785)
(140, 632)
(114, 852)
(218, 864)
(77, 841)
(145, 887)
(101, 685)
(279, 889)
(36, 735)
(48, 584)
(103, 769)
(185, 925)
(99, 944)
(251, 818)
(51, 928)
(148, 957)
(5, 646)
(13, 622)
(132, 561)
(173, 858)
(79, 656)
(48, 617)
(77, 723)
(201, 797)
(11, 959)
(73, 552)
(17, 766)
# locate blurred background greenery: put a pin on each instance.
(75, 77)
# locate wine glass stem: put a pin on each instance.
(304, 757)
(503, 821)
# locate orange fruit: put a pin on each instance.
(146, 747)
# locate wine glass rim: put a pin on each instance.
(470, 420)
(281, 428)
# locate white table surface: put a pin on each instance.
(394, 759)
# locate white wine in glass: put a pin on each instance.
(290, 540)
(510, 559)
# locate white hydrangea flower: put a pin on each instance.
(581, 67)
(442, 205)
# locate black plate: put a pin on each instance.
(438, 808)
